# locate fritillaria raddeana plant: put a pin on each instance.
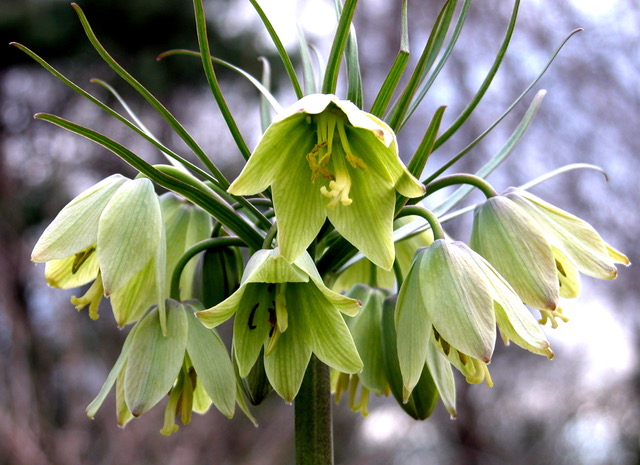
(327, 251)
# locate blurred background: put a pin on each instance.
(581, 408)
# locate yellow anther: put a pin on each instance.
(356, 162)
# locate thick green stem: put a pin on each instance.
(314, 431)
(194, 250)
(428, 215)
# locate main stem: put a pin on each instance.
(314, 428)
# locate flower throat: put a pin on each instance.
(329, 161)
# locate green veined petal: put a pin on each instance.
(325, 331)
(129, 233)
(76, 226)
(155, 360)
(212, 364)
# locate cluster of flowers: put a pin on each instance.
(323, 159)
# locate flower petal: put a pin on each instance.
(383, 159)
(251, 326)
(212, 364)
(458, 298)
(442, 376)
(581, 243)
(129, 233)
(155, 359)
(130, 302)
(283, 142)
(413, 327)
(286, 364)
(325, 331)
(515, 322)
(367, 331)
(220, 313)
(59, 273)
(298, 204)
(270, 266)
(517, 247)
(76, 226)
(368, 222)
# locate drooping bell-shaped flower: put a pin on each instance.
(326, 158)
(189, 362)
(285, 309)
(453, 299)
(111, 233)
(540, 249)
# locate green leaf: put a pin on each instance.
(203, 42)
(284, 56)
(338, 46)
(308, 73)
(168, 117)
(425, 149)
(200, 197)
(265, 115)
(463, 191)
(155, 360)
(428, 57)
(397, 69)
(262, 87)
(140, 130)
(212, 364)
(471, 106)
(352, 61)
(426, 85)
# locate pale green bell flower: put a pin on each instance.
(453, 299)
(112, 234)
(541, 249)
(189, 363)
(515, 244)
(286, 309)
(326, 158)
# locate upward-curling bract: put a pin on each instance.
(326, 158)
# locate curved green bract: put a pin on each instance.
(222, 213)
(168, 117)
